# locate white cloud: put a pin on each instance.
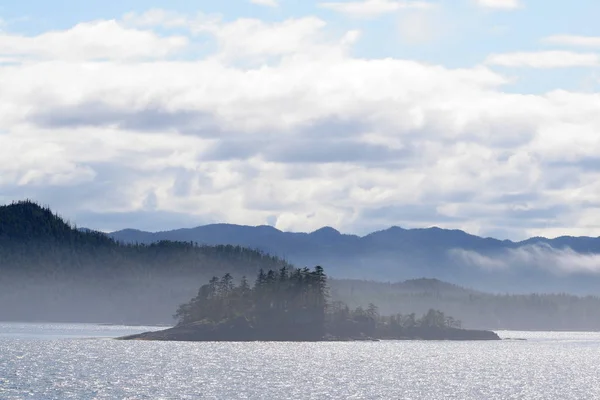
(308, 135)
(89, 41)
(250, 38)
(542, 256)
(544, 59)
(422, 26)
(156, 17)
(197, 24)
(574, 40)
(374, 8)
(500, 4)
(266, 3)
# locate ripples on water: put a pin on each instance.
(56, 361)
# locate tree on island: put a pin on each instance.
(293, 304)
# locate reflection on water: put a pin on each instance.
(48, 331)
(48, 361)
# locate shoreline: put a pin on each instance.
(212, 333)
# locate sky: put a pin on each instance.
(480, 115)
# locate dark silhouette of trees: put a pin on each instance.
(293, 304)
(288, 302)
(33, 240)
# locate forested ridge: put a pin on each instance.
(396, 254)
(35, 240)
(560, 311)
(50, 270)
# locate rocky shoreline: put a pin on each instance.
(242, 331)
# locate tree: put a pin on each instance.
(296, 304)
(433, 319)
(372, 312)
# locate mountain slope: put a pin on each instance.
(537, 264)
(52, 271)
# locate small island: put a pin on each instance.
(293, 305)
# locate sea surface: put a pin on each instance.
(81, 361)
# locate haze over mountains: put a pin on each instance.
(564, 264)
(51, 271)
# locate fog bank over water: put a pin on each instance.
(153, 300)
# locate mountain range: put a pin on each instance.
(51, 271)
(563, 264)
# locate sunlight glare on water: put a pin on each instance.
(79, 366)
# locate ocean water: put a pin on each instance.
(81, 361)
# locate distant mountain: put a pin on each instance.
(569, 264)
(52, 271)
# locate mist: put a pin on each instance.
(56, 273)
(558, 261)
(128, 300)
(134, 299)
(475, 309)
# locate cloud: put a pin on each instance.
(250, 39)
(499, 4)
(573, 40)
(145, 117)
(417, 27)
(157, 17)
(279, 121)
(266, 3)
(544, 59)
(198, 23)
(562, 261)
(374, 8)
(91, 41)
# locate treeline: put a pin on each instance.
(476, 309)
(360, 322)
(33, 240)
(287, 302)
(294, 304)
(52, 271)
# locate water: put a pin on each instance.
(80, 361)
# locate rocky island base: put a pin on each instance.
(242, 330)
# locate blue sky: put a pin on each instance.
(462, 33)
(472, 31)
(480, 115)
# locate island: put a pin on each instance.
(293, 304)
